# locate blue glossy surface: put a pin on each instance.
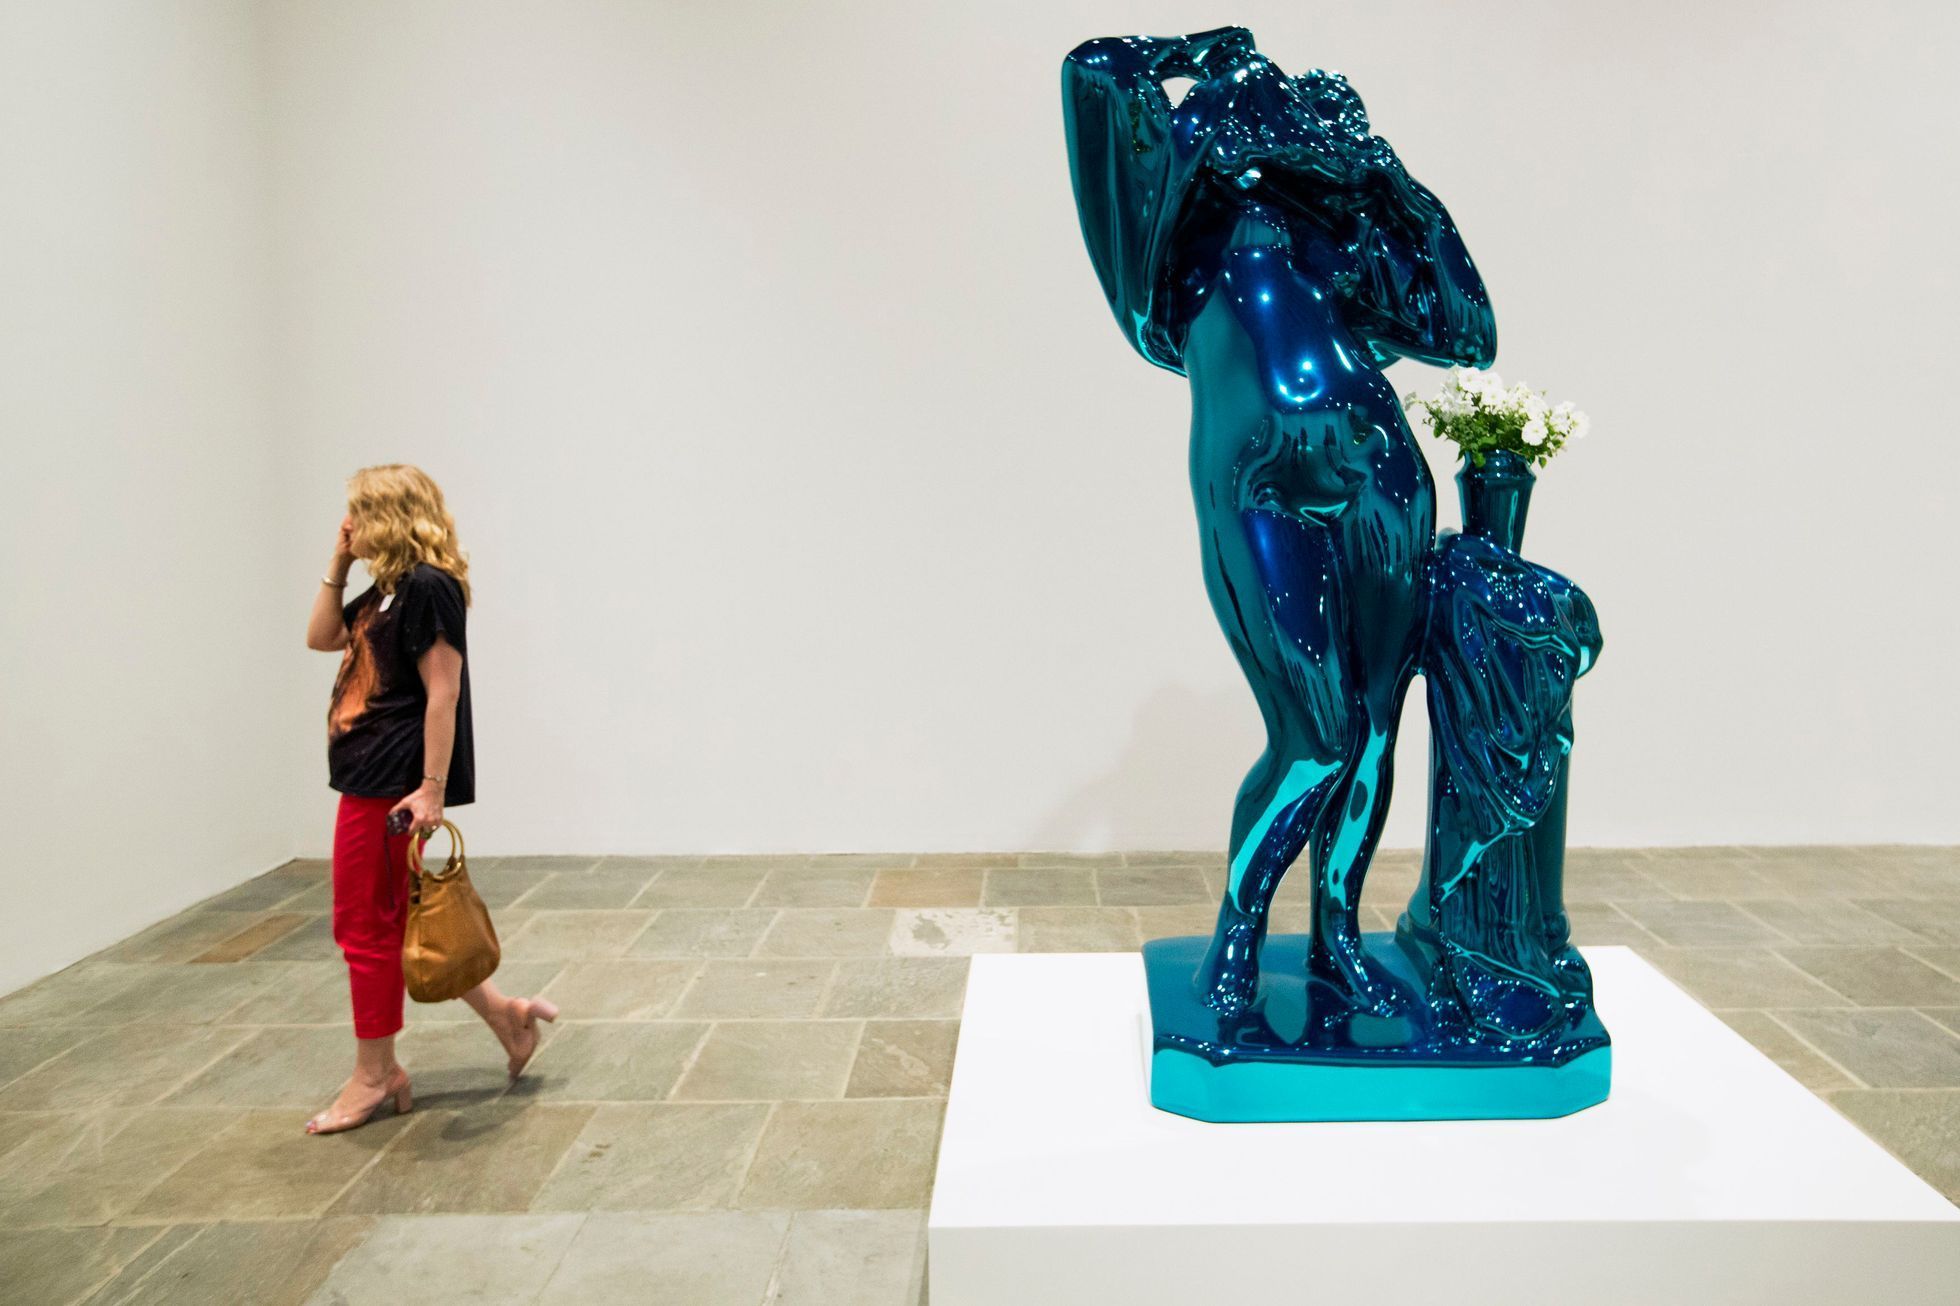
(1288, 1062)
(1258, 239)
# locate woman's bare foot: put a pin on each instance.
(360, 1097)
(517, 1029)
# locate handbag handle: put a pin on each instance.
(455, 852)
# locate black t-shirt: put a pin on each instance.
(374, 724)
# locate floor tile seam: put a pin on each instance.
(130, 1220)
(1855, 945)
(755, 1151)
(518, 904)
(689, 1061)
(219, 1022)
(1948, 1035)
(136, 1202)
(275, 905)
(829, 987)
(249, 1033)
(767, 1020)
(628, 906)
(100, 959)
(57, 1022)
(1756, 942)
(257, 918)
(124, 1220)
(136, 1222)
(635, 905)
(1777, 951)
(1858, 906)
(558, 1264)
(186, 1107)
(564, 1157)
(1856, 1008)
(117, 1118)
(1743, 906)
(52, 1058)
(1857, 1080)
(1894, 1152)
(772, 1102)
(772, 1289)
(850, 1064)
(768, 928)
(165, 1022)
(1907, 948)
(1671, 894)
(98, 1285)
(394, 1141)
(1783, 938)
(299, 919)
(699, 967)
(1617, 910)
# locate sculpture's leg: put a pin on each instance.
(1274, 816)
(1416, 930)
(1383, 541)
(1344, 846)
(1274, 586)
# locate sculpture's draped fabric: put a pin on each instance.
(1506, 641)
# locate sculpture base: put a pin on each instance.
(1710, 1176)
(1284, 1060)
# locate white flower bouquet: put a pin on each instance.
(1480, 415)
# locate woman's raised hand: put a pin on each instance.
(343, 542)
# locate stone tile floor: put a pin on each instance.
(742, 1102)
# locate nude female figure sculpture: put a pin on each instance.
(1256, 237)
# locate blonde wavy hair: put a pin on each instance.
(400, 520)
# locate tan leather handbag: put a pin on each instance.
(450, 946)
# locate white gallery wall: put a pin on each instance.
(815, 501)
(813, 498)
(146, 617)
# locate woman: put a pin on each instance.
(1258, 238)
(398, 742)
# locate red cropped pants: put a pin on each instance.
(370, 910)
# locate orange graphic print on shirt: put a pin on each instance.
(357, 679)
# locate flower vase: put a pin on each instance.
(1496, 495)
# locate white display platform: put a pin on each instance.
(1709, 1176)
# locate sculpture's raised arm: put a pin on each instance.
(1130, 175)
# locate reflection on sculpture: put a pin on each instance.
(1257, 238)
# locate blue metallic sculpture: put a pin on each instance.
(1257, 238)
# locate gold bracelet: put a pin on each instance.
(333, 584)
